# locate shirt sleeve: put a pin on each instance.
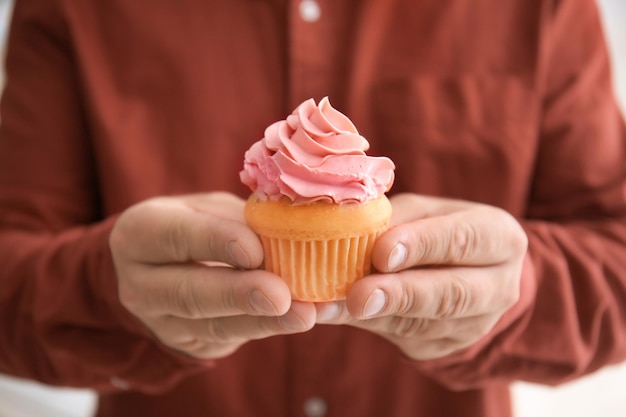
(60, 319)
(571, 318)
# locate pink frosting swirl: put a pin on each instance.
(315, 154)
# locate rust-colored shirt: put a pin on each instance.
(110, 102)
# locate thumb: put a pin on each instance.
(480, 235)
(183, 229)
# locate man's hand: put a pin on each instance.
(183, 267)
(449, 271)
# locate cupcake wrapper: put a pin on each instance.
(319, 270)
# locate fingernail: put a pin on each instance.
(237, 255)
(375, 303)
(328, 312)
(397, 257)
(261, 304)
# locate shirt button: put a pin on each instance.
(310, 11)
(315, 407)
(119, 383)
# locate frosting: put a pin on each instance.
(315, 154)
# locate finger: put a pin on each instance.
(333, 312)
(435, 293)
(480, 236)
(460, 330)
(408, 207)
(423, 339)
(202, 336)
(196, 291)
(423, 350)
(336, 312)
(165, 230)
(221, 204)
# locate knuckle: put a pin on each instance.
(215, 242)
(426, 246)
(455, 300)
(184, 300)
(216, 332)
(438, 329)
(463, 243)
(407, 328)
(407, 300)
(456, 245)
(230, 295)
(174, 241)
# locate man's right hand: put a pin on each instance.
(186, 268)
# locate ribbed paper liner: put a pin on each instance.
(319, 270)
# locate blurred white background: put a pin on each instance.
(600, 394)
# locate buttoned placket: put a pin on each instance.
(307, 72)
(309, 50)
(309, 364)
(314, 36)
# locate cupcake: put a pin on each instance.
(317, 200)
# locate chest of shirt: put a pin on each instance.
(446, 90)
